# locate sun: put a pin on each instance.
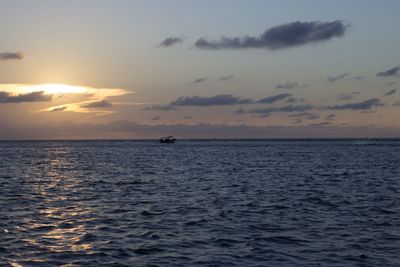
(55, 88)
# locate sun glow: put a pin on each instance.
(63, 89)
(60, 89)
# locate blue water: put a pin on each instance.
(197, 203)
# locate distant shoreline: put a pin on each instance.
(311, 139)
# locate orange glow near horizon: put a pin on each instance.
(58, 88)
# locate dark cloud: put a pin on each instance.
(11, 56)
(226, 78)
(6, 97)
(364, 105)
(279, 37)
(347, 96)
(98, 104)
(297, 121)
(218, 100)
(321, 124)
(294, 100)
(305, 115)
(391, 72)
(171, 41)
(200, 80)
(287, 85)
(285, 109)
(240, 111)
(273, 99)
(330, 117)
(58, 109)
(391, 92)
(338, 77)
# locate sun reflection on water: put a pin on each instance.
(61, 217)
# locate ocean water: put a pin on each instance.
(200, 203)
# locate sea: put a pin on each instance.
(240, 203)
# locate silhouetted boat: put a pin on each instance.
(167, 139)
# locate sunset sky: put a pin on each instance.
(199, 69)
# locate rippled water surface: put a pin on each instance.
(194, 203)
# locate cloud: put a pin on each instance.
(391, 92)
(98, 104)
(338, 77)
(171, 41)
(4, 56)
(347, 96)
(6, 97)
(62, 108)
(321, 124)
(330, 117)
(294, 100)
(287, 85)
(218, 100)
(226, 78)
(200, 80)
(364, 105)
(391, 72)
(305, 115)
(285, 109)
(273, 99)
(283, 36)
(155, 118)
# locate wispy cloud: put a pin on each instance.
(284, 109)
(347, 96)
(330, 117)
(294, 100)
(199, 80)
(226, 78)
(5, 56)
(338, 77)
(391, 92)
(283, 36)
(321, 124)
(171, 41)
(155, 118)
(273, 99)
(6, 97)
(60, 108)
(218, 100)
(98, 104)
(390, 72)
(363, 105)
(287, 85)
(305, 115)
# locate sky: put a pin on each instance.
(110, 69)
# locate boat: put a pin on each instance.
(167, 139)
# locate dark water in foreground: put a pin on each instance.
(222, 203)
